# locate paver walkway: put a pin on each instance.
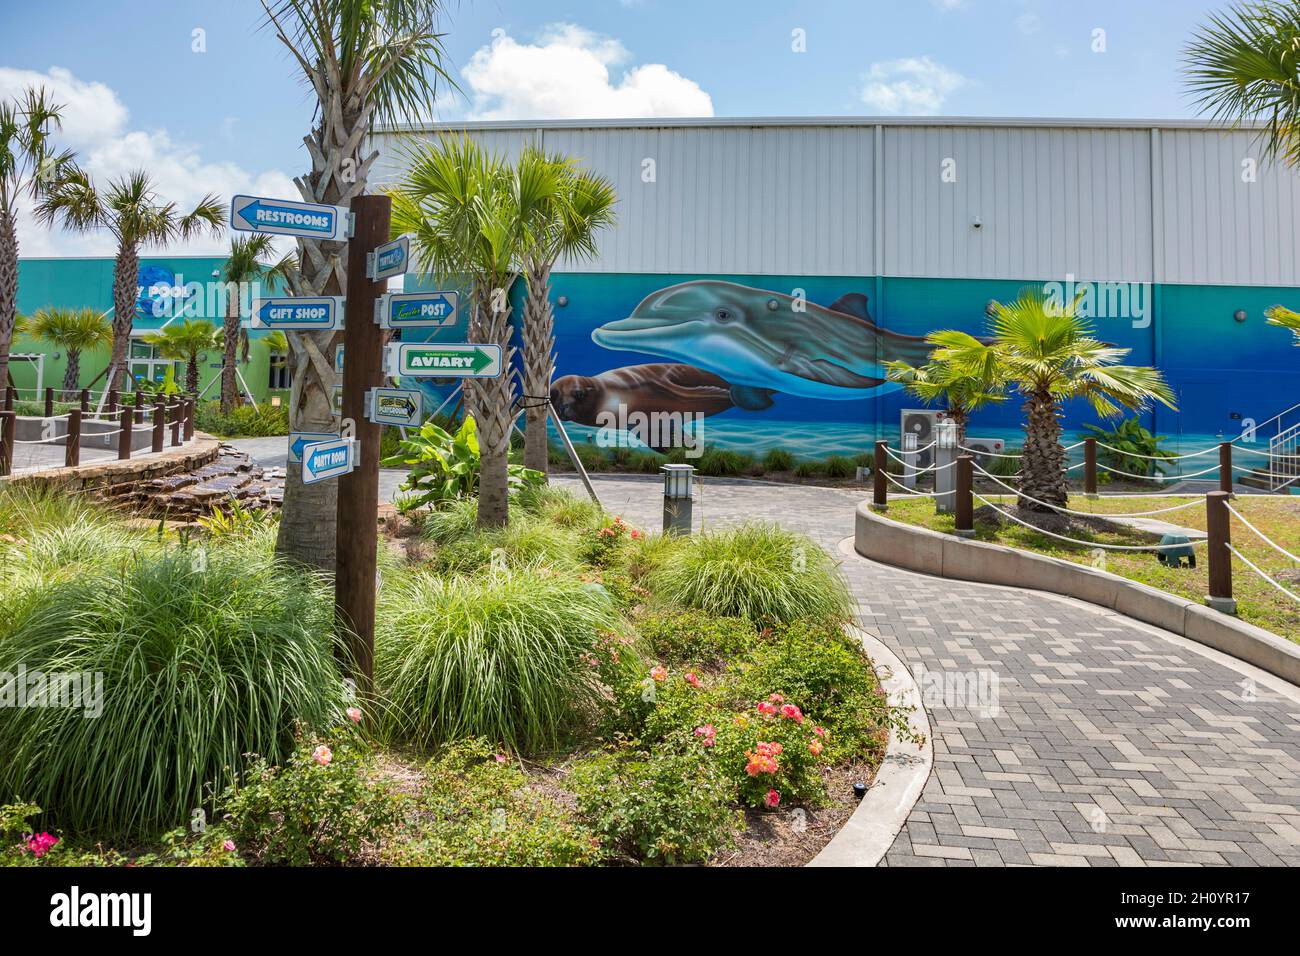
(1111, 742)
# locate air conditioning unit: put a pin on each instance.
(984, 450)
(923, 423)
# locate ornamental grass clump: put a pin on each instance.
(506, 654)
(186, 660)
(758, 571)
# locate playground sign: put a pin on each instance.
(395, 406)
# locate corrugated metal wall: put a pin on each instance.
(1116, 202)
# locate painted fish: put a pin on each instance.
(657, 387)
(758, 342)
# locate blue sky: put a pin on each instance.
(232, 118)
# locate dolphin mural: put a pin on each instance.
(659, 387)
(756, 341)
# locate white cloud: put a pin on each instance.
(565, 73)
(97, 125)
(913, 86)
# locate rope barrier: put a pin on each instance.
(1091, 544)
(1250, 564)
(991, 454)
(1262, 536)
(1116, 471)
(913, 491)
(1083, 514)
(1133, 454)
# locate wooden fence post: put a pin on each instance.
(176, 422)
(189, 419)
(124, 436)
(1225, 466)
(11, 396)
(49, 401)
(879, 488)
(158, 416)
(1218, 527)
(85, 400)
(965, 504)
(1090, 466)
(139, 408)
(7, 425)
(72, 444)
(112, 402)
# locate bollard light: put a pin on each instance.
(678, 480)
(946, 436)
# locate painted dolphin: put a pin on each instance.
(758, 342)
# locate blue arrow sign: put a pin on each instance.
(395, 406)
(299, 313)
(390, 259)
(417, 310)
(328, 459)
(284, 217)
(300, 440)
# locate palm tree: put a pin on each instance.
(962, 372)
(366, 61)
(183, 341)
(129, 209)
(463, 208)
(27, 164)
(1048, 352)
(1280, 315)
(75, 331)
(244, 264)
(569, 208)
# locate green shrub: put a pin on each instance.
(1007, 465)
(205, 655)
(507, 655)
(778, 459)
(525, 541)
(722, 462)
(680, 637)
(645, 462)
(759, 571)
(445, 467)
(321, 806)
(773, 751)
(476, 810)
(662, 808)
(592, 458)
(451, 520)
(561, 507)
(837, 466)
(243, 421)
(809, 469)
(637, 557)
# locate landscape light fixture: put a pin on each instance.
(946, 434)
(678, 480)
(909, 441)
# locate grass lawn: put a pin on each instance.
(1258, 602)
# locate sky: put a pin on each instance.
(201, 95)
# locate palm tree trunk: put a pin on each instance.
(192, 374)
(1042, 464)
(539, 364)
(72, 376)
(126, 278)
(229, 340)
(8, 290)
(490, 401)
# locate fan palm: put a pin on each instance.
(182, 341)
(962, 372)
(463, 207)
(1048, 352)
(365, 61)
(245, 263)
(28, 163)
(75, 331)
(130, 210)
(568, 208)
(1280, 315)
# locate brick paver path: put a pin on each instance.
(1111, 743)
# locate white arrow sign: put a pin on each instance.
(328, 459)
(285, 217)
(390, 259)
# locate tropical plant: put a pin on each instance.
(1049, 354)
(129, 209)
(183, 341)
(365, 62)
(962, 372)
(778, 459)
(192, 659)
(28, 163)
(245, 263)
(568, 207)
(1283, 317)
(759, 571)
(75, 331)
(444, 467)
(1128, 447)
(465, 209)
(504, 655)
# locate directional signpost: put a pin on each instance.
(444, 361)
(395, 406)
(299, 440)
(286, 217)
(321, 313)
(416, 310)
(390, 259)
(328, 459)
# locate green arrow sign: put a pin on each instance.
(444, 361)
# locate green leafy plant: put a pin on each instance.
(809, 469)
(778, 459)
(681, 637)
(445, 467)
(506, 654)
(759, 571)
(722, 462)
(243, 421)
(1131, 448)
(838, 466)
(234, 519)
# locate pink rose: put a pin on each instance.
(692, 679)
(228, 846)
(354, 714)
(322, 755)
(773, 799)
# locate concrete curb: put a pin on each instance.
(103, 475)
(869, 833)
(940, 555)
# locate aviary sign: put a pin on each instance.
(444, 361)
(285, 217)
